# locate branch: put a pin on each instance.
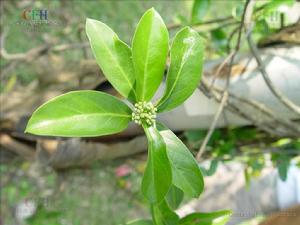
(280, 96)
(213, 125)
(225, 93)
(262, 108)
(17, 147)
(216, 92)
(33, 53)
(236, 110)
(219, 20)
(272, 127)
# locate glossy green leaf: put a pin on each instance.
(174, 197)
(157, 178)
(186, 172)
(149, 54)
(213, 218)
(163, 215)
(80, 114)
(113, 56)
(185, 70)
(140, 222)
(200, 9)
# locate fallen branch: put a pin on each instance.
(261, 66)
(74, 152)
(23, 150)
(280, 96)
(261, 108)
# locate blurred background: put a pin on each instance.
(242, 124)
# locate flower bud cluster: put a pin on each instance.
(144, 112)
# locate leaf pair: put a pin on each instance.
(169, 161)
(137, 74)
(185, 170)
(171, 170)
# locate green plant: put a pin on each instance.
(136, 74)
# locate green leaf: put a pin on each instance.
(158, 175)
(212, 168)
(200, 9)
(219, 40)
(163, 215)
(185, 70)
(213, 218)
(149, 54)
(140, 222)
(113, 56)
(247, 175)
(80, 114)
(174, 197)
(283, 168)
(186, 172)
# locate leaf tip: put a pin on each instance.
(88, 23)
(27, 129)
(153, 12)
(88, 20)
(152, 9)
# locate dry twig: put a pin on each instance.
(280, 96)
(225, 19)
(17, 147)
(213, 124)
(225, 93)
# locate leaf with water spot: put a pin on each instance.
(185, 70)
